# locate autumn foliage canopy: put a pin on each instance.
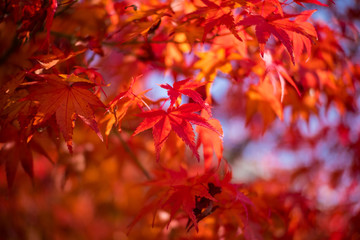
(179, 119)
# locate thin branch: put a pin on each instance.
(134, 42)
(14, 46)
(142, 101)
(132, 155)
(68, 6)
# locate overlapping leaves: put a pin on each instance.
(198, 196)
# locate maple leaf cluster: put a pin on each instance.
(136, 119)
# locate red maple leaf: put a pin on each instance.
(13, 153)
(16, 150)
(184, 196)
(176, 191)
(185, 87)
(66, 101)
(93, 76)
(226, 19)
(177, 119)
(198, 196)
(279, 26)
(217, 15)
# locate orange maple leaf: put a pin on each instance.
(120, 105)
(263, 100)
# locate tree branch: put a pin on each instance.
(132, 155)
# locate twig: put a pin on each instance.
(68, 6)
(132, 155)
